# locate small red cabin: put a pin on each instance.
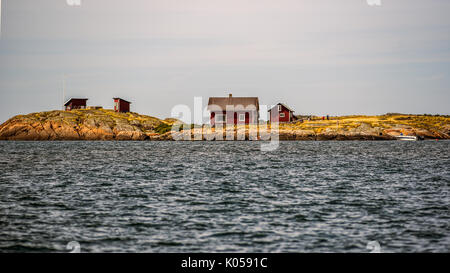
(233, 110)
(121, 105)
(281, 113)
(75, 104)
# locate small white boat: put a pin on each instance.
(408, 138)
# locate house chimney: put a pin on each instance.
(230, 95)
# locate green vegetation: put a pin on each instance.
(163, 128)
(167, 127)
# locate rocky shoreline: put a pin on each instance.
(265, 135)
(109, 125)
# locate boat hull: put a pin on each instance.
(408, 138)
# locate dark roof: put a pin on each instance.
(283, 105)
(68, 102)
(121, 100)
(222, 102)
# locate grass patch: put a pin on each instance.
(163, 128)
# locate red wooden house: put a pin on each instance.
(233, 110)
(75, 104)
(281, 113)
(121, 105)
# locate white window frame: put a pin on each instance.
(222, 120)
(282, 115)
(242, 115)
(279, 108)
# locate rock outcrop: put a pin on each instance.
(79, 125)
(263, 134)
(99, 124)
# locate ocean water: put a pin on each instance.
(224, 196)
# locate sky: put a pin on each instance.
(320, 57)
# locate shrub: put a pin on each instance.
(163, 128)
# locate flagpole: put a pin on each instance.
(0, 18)
(64, 89)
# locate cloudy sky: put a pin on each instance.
(318, 56)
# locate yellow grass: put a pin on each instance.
(383, 122)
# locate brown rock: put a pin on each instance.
(78, 125)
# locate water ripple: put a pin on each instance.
(222, 197)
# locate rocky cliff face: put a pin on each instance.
(79, 125)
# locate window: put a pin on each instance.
(282, 115)
(242, 117)
(220, 118)
(279, 108)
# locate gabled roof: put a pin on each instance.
(282, 105)
(222, 102)
(68, 102)
(121, 100)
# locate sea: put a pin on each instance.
(177, 197)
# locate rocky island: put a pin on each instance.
(101, 124)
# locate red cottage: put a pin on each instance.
(233, 110)
(121, 105)
(75, 104)
(282, 113)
